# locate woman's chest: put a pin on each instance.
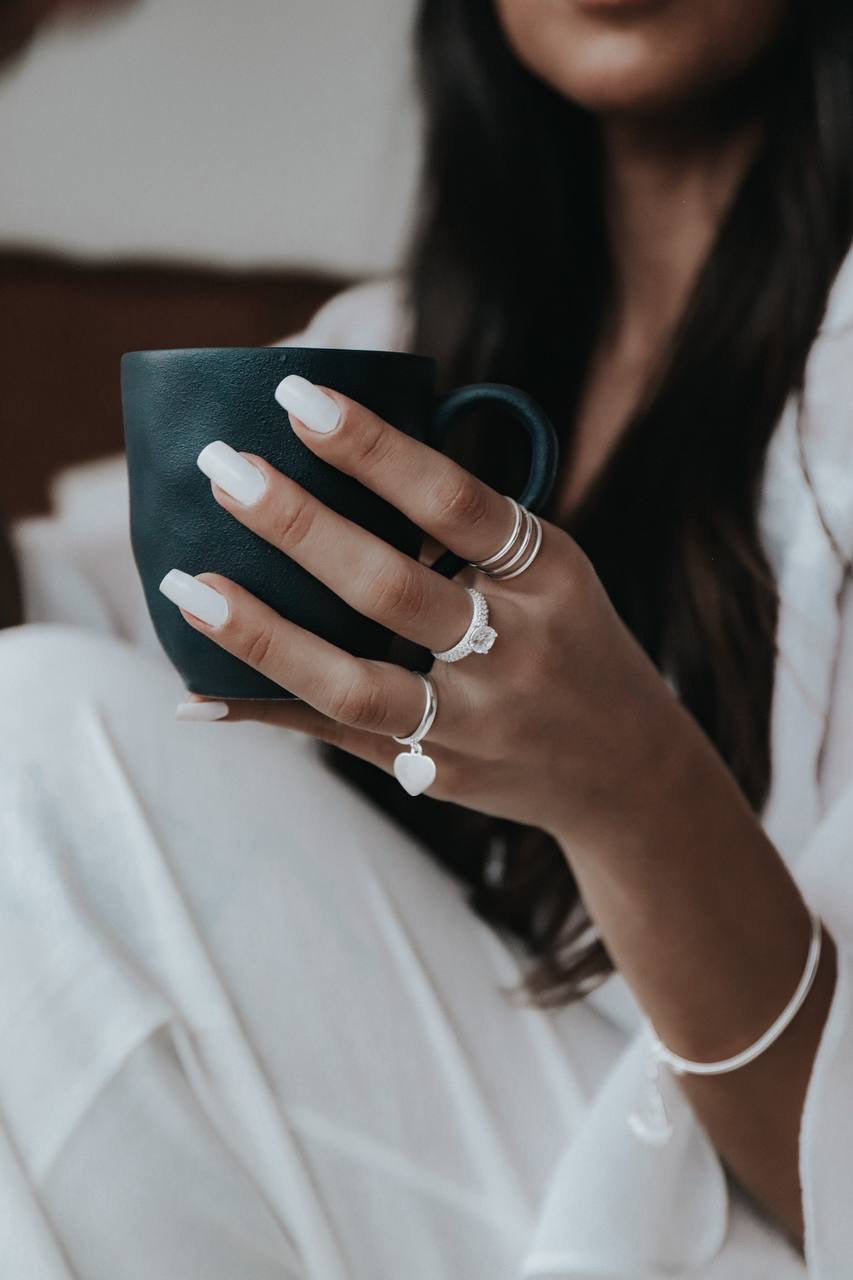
(612, 393)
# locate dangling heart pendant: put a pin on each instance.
(414, 771)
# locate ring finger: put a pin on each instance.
(379, 697)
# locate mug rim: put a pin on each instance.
(333, 351)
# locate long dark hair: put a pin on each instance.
(509, 277)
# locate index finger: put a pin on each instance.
(450, 504)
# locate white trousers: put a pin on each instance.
(248, 1029)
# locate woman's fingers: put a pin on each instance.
(371, 576)
(300, 718)
(377, 697)
(294, 715)
(441, 497)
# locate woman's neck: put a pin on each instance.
(665, 197)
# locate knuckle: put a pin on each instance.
(576, 582)
(563, 546)
(258, 647)
(461, 500)
(292, 523)
(398, 594)
(372, 445)
(359, 702)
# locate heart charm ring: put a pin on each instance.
(413, 770)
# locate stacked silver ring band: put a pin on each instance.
(414, 770)
(520, 549)
(412, 739)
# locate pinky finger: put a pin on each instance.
(301, 717)
(298, 716)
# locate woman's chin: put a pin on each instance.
(622, 71)
(627, 96)
(639, 86)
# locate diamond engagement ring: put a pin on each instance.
(479, 637)
(520, 549)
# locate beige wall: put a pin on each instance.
(245, 131)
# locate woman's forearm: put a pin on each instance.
(703, 919)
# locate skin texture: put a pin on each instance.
(566, 724)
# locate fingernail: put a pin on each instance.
(201, 710)
(232, 472)
(308, 403)
(196, 597)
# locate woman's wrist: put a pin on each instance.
(683, 869)
(654, 784)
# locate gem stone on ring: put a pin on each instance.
(479, 637)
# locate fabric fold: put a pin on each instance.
(615, 1207)
(618, 1207)
(826, 1131)
(826, 1138)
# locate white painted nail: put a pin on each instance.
(201, 710)
(308, 403)
(196, 597)
(232, 472)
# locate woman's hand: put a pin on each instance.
(564, 725)
(558, 726)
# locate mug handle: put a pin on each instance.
(545, 448)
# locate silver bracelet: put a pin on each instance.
(651, 1123)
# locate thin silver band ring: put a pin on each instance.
(428, 716)
(525, 541)
(525, 552)
(503, 577)
(483, 564)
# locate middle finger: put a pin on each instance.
(370, 575)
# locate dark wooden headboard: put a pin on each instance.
(64, 325)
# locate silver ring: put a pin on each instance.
(500, 572)
(413, 770)
(483, 564)
(479, 637)
(504, 564)
(428, 716)
(534, 552)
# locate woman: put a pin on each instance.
(257, 1026)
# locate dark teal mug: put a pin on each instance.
(176, 402)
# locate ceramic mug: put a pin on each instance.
(176, 402)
